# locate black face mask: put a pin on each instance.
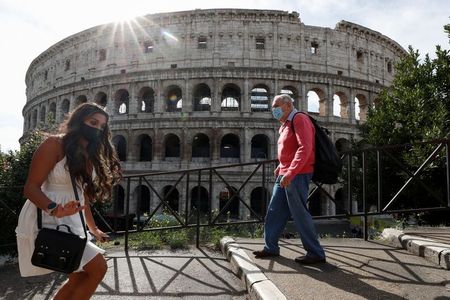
(91, 134)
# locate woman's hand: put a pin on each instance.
(100, 236)
(70, 208)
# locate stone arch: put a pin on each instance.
(360, 107)
(260, 146)
(118, 199)
(316, 101)
(204, 204)
(35, 118)
(232, 210)
(291, 91)
(172, 197)
(145, 147)
(80, 100)
(230, 146)
(101, 99)
(174, 99)
(201, 146)
(65, 107)
(144, 205)
(171, 146)
(121, 102)
(343, 144)
(258, 201)
(231, 98)
(42, 115)
(146, 99)
(202, 97)
(52, 112)
(120, 144)
(340, 105)
(259, 98)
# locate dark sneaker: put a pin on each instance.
(310, 260)
(264, 253)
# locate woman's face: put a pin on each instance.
(97, 120)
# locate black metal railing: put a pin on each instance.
(375, 180)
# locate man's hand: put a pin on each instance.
(70, 208)
(276, 171)
(284, 182)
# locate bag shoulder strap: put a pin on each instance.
(75, 191)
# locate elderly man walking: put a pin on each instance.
(290, 192)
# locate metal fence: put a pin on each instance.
(408, 178)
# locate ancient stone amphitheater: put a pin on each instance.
(193, 89)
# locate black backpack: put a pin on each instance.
(328, 165)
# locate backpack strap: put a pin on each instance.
(292, 121)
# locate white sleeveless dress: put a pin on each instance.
(58, 188)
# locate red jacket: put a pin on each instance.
(296, 150)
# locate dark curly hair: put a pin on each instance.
(103, 158)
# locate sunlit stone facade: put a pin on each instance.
(193, 89)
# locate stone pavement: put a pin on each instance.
(355, 269)
(164, 274)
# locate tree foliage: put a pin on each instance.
(415, 108)
(13, 174)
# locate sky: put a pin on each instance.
(29, 27)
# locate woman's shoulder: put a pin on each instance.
(53, 144)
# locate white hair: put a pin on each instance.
(284, 98)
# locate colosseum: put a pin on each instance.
(193, 89)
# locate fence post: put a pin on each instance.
(197, 242)
(127, 211)
(364, 166)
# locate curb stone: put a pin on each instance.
(256, 282)
(437, 253)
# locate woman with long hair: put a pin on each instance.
(83, 150)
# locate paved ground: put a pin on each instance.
(193, 274)
(355, 269)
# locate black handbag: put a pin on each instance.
(58, 250)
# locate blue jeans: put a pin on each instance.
(284, 203)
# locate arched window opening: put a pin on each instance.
(52, 113)
(121, 147)
(203, 203)
(42, 116)
(259, 98)
(291, 91)
(119, 199)
(174, 101)
(260, 147)
(229, 146)
(144, 199)
(101, 99)
(313, 102)
(343, 145)
(145, 148)
(65, 106)
(35, 117)
(200, 146)
(258, 201)
(337, 105)
(80, 100)
(172, 197)
(231, 96)
(147, 99)
(232, 208)
(121, 100)
(202, 98)
(360, 108)
(172, 146)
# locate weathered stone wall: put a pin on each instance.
(117, 64)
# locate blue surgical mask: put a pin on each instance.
(277, 113)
